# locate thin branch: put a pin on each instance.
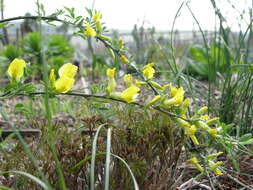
(157, 108)
(33, 18)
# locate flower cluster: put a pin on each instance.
(62, 85)
(172, 100)
(129, 94)
(96, 19)
(212, 166)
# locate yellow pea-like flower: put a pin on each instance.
(64, 84)
(123, 59)
(213, 132)
(149, 71)
(110, 72)
(130, 94)
(175, 101)
(203, 110)
(214, 167)
(173, 91)
(52, 78)
(111, 81)
(16, 69)
(190, 132)
(194, 161)
(89, 31)
(128, 80)
(68, 70)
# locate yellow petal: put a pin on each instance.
(189, 131)
(89, 31)
(213, 132)
(194, 161)
(149, 71)
(64, 84)
(16, 68)
(68, 70)
(123, 59)
(52, 78)
(130, 94)
(202, 110)
(110, 72)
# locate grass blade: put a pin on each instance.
(93, 158)
(107, 162)
(35, 179)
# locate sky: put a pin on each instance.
(123, 14)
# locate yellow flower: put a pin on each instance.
(52, 78)
(194, 161)
(149, 71)
(213, 132)
(218, 172)
(123, 59)
(130, 94)
(214, 167)
(175, 101)
(173, 91)
(128, 80)
(16, 69)
(68, 70)
(110, 72)
(89, 31)
(64, 84)
(202, 110)
(190, 132)
(111, 81)
(97, 16)
(153, 101)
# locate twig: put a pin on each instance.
(157, 108)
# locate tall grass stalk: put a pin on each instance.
(51, 139)
(108, 158)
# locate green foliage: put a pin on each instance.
(58, 46)
(32, 44)
(207, 63)
(11, 52)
